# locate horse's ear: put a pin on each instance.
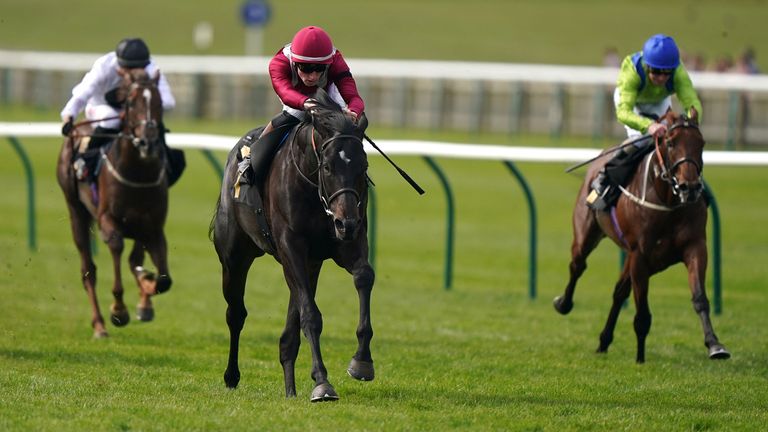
(362, 123)
(694, 115)
(156, 76)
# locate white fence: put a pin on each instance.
(494, 97)
(408, 147)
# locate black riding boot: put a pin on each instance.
(615, 173)
(102, 136)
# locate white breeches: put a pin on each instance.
(98, 112)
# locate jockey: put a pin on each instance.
(96, 93)
(647, 80)
(297, 70)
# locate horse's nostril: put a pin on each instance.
(339, 225)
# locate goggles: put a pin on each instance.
(660, 71)
(311, 67)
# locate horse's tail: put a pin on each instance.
(212, 225)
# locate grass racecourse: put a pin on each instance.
(479, 357)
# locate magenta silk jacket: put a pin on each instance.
(292, 91)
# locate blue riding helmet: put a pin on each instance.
(660, 52)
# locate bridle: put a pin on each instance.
(325, 198)
(147, 122)
(669, 168)
(139, 141)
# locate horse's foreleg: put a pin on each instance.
(301, 277)
(620, 295)
(114, 239)
(586, 237)
(80, 221)
(696, 263)
(361, 365)
(158, 251)
(144, 309)
(642, 323)
(290, 341)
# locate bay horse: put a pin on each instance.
(659, 220)
(129, 199)
(315, 197)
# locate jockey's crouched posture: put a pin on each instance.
(297, 70)
(647, 80)
(96, 94)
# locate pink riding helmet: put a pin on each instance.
(312, 45)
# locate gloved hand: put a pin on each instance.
(67, 127)
(657, 129)
(310, 104)
(351, 114)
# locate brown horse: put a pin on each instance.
(659, 220)
(128, 200)
(315, 199)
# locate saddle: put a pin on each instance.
(248, 187)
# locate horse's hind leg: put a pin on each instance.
(234, 273)
(620, 295)
(80, 221)
(144, 279)
(696, 263)
(586, 236)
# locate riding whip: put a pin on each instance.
(402, 173)
(609, 151)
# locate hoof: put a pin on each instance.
(119, 316)
(163, 284)
(324, 393)
(145, 314)
(718, 352)
(360, 370)
(231, 378)
(562, 306)
(100, 334)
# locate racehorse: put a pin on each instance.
(315, 197)
(129, 199)
(659, 220)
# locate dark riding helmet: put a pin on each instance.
(132, 53)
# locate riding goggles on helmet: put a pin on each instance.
(657, 71)
(311, 67)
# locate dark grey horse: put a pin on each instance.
(314, 201)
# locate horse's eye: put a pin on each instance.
(326, 167)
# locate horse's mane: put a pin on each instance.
(328, 116)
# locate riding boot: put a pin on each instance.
(102, 136)
(263, 150)
(615, 173)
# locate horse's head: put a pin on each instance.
(143, 113)
(681, 156)
(343, 164)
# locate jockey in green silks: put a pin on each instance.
(647, 80)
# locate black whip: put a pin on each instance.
(402, 173)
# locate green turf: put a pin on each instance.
(482, 356)
(523, 31)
